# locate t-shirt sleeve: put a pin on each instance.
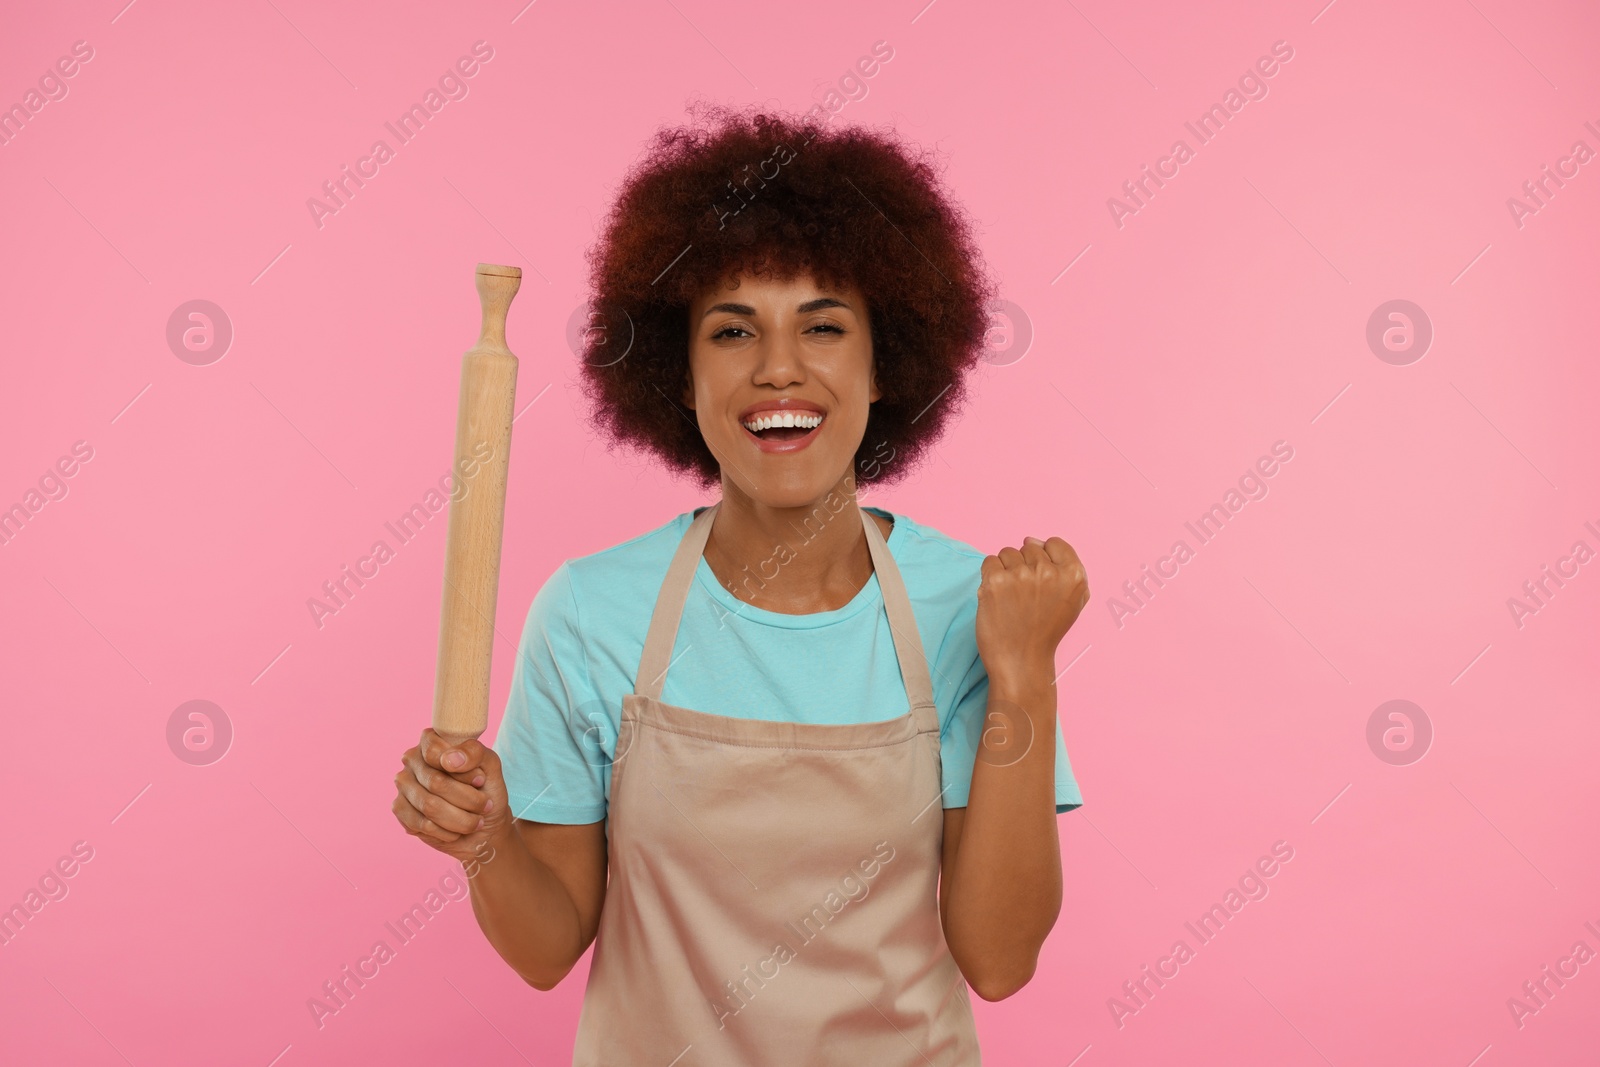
(958, 743)
(554, 737)
(963, 725)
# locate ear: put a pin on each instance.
(874, 392)
(688, 389)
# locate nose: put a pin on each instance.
(779, 362)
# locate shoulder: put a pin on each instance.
(593, 585)
(942, 574)
(641, 551)
(935, 565)
(927, 546)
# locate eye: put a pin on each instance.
(828, 326)
(727, 329)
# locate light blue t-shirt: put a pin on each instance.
(585, 632)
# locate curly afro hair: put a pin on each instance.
(765, 195)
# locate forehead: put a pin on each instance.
(772, 292)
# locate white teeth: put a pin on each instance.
(806, 420)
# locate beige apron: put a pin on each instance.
(772, 894)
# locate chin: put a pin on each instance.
(796, 490)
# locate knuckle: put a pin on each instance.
(435, 830)
(434, 808)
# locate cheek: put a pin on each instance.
(852, 407)
(847, 370)
(703, 382)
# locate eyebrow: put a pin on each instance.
(809, 306)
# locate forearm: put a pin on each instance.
(1005, 893)
(526, 913)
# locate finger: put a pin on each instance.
(473, 776)
(419, 825)
(414, 762)
(437, 818)
(991, 565)
(413, 822)
(449, 788)
(1059, 551)
(480, 770)
(1011, 558)
(1033, 551)
(443, 813)
(447, 815)
(435, 749)
(463, 756)
(431, 746)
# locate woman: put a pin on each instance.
(750, 720)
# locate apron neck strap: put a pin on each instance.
(663, 632)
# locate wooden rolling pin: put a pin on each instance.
(477, 516)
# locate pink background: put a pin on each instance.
(1230, 312)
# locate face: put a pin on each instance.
(779, 351)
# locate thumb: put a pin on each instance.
(465, 756)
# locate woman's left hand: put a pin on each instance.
(1028, 599)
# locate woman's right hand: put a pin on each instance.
(453, 797)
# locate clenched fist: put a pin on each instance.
(453, 798)
(1028, 598)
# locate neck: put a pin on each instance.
(793, 560)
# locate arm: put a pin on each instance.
(536, 888)
(1001, 871)
(538, 901)
(1001, 885)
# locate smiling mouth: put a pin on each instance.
(784, 433)
(783, 426)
